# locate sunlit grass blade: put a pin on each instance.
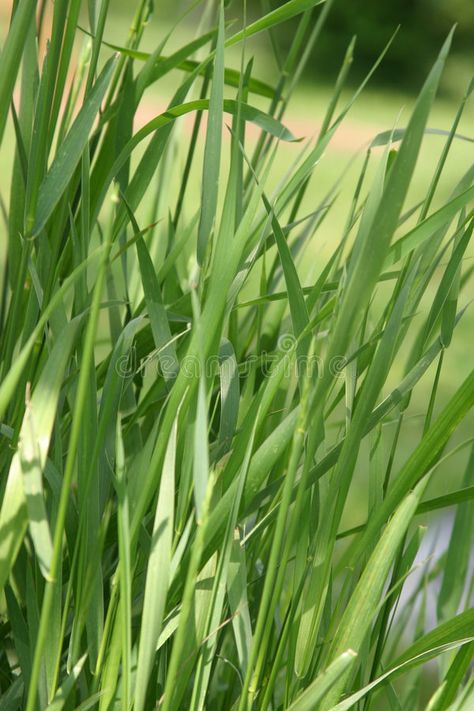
(157, 575)
(318, 689)
(23, 499)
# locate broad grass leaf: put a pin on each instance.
(23, 501)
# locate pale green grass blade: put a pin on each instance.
(61, 696)
(200, 439)
(447, 282)
(24, 498)
(123, 525)
(35, 439)
(465, 698)
(230, 394)
(439, 502)
(215, 601)
(110, 672)
(376, 242)
(349, 702)
(238, 602)
(367, 396)
(186, 624)
(157, 576)
(452, 499)
(381, 139)
(457, 629)
(446, 692)
(279, 553)
(18, 180)
(318, 689)
(365, 600)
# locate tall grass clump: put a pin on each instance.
(225, 412)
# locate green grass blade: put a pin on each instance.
(318, 689)
(69, 153)
(423, 457)
(426, 229)
(349, 702)
(61, 696)
(23, 499)
(123, 525)
(212, 150)
(157, 576)
(365, 600)
(272, 19)
(11, 55)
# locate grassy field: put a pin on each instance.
(236, 389)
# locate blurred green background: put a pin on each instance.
(423, 26)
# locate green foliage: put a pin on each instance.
(423, 24)
(193, 385)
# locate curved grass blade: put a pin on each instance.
(272, 19)
(382, 139)
(352, 700)
(323, 683)
(426, 229)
